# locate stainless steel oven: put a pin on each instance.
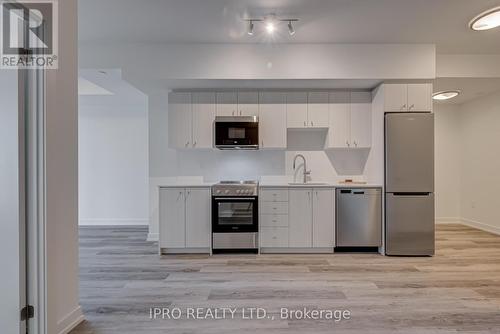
(235, 217)
(236, 132)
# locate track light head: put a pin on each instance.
(291, 31)
(250, 28)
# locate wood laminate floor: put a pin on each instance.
(458, 290)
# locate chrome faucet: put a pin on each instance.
(306, 172)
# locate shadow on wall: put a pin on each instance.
(348, 162)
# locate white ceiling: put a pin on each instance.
(443, 22)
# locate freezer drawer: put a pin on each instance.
(359, 217)
(409, 224)
(409, 152)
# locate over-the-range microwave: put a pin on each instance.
(236, 132)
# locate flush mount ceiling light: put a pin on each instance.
(271, 22)
(486, 20)
(445, 95)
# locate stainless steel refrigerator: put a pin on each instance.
(409, 184)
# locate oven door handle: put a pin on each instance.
(235, 198)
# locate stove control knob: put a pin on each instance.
(238, 191)
(226, 191)
(218, 191)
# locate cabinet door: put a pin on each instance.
(198, 217)
(296, 110)
(203, 119)
(317, 110)
(323, 218)
(396, 97)
(420, 97)
(180, 120)
(227, 104)
(172, 218)
(339, 130)
(272, 120)
(361, 119)
(248, 104)
(300, 217)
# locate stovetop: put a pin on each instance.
(235, 188)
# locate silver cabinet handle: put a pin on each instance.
(355, 144)
(262, 143)
(347, 142)
(241, 112)
(180, 194)
(233, 113)
(194, 144)
(404, 106)
(412, 106)
(312, 124)
(305, 123)
(187, 144)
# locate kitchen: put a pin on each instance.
(302, 213)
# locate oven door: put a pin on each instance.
(232, 133)
(234, 214)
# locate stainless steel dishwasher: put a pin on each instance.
(359, 217)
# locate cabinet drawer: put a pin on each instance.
(274, 195)
(274, 220)
(274, 208)
(274, 237)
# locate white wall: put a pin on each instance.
(113, 159)
(480, 162)
(447, 162)
(10, 233)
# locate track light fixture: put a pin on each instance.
(271, 22)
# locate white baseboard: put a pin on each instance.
(70, 321)
(481, 226)
(113, 221)
(153, 237)
(448, 220)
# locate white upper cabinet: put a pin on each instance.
(180, 120)
(408, 97)
(350, 120)
(339, 110)
(272, 120)
(395, 97)
(203, 118)
(361, 119)
(227, 104)
(296, 109)
(419, 97)
(248, 104)
(323, 217)
(317, 110)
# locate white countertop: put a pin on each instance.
(317, 185)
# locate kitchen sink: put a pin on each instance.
(308, 184)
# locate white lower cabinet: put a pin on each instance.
(323, 229)
(185, 215)
(274, 237)
(300, 218)
(312, 218)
